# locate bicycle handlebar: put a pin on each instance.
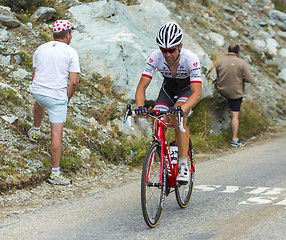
(129, 113)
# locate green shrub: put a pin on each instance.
(10, 97)
(200, 126)
(46, 37)
(280, 5)
(24, 18)
(27, 60)
(70, 161)
(252, 122)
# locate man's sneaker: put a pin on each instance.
(33, 137)
(59, 180)
(237, 143)
(183, 174)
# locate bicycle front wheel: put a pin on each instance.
(184, 192)
(152, 192)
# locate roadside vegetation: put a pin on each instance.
(114, 146)
(280, 5)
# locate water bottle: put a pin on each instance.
(173, 151)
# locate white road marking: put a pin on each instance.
(264, 194)
(230, 189)
(259, 200)
(207, 188)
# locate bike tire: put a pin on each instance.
(153, 195)
(184, 192)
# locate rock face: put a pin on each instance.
(279, 18)
(43, 14)
(116, 39)
(7, 18)
(17, 5)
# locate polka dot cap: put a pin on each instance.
(62, 25)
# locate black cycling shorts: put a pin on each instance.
(234, 104)
(169, 96)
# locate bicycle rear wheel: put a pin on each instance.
(152, 193)
(184, 192)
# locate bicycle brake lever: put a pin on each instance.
(127, 117)
(180, 119)
(127, 113)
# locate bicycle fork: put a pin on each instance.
(159, 184)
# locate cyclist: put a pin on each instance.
(182, 85)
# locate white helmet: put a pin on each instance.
(169, 35)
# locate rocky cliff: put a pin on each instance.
(114, 39)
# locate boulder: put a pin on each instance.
(271, 46)
(258, 45)
(43, 14)
(5, 60)
(4, 35)
(282, 74)
(9, 21)
(17, 5)
(233, 34)
(282, 52)
(114, 39)
(217, 38)
(8, 18)
(279, 18)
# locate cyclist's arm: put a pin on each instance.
(194, 99)
(141, 89)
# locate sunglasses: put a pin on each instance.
(165, 50)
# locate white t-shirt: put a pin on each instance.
(53, 61)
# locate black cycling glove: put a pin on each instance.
(174, 111)
(140, 110)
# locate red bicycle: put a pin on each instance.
(159, 171)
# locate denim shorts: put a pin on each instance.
(57, 108)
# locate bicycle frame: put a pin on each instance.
(159, 135)
(158, 173)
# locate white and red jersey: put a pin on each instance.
(188, 70)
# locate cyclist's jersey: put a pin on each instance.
(188, 70)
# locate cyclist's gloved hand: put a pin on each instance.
(140, 110)
(173, 110)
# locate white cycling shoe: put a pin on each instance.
(183, 174)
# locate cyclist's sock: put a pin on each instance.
(184, 161)
(56, 171)
(37, 130)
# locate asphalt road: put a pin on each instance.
(238, 196)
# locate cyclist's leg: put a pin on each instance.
(182, 139)
(184, 192)
(164, 101)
